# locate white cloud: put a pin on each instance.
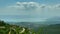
(33, 9)
(32, 6)
(57, 6)
(36, 5)
(26, 5)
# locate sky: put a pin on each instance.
(28, 10)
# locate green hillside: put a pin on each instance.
(13, 29)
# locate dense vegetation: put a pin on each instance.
(14, 29)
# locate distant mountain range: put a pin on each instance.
(37, 25)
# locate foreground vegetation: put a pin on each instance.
(14, 29)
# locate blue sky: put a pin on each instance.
(28, 10)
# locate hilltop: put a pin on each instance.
(13, 29)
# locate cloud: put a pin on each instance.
(31, 6)
(31, 9)
(26, 5)
(57, 6)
